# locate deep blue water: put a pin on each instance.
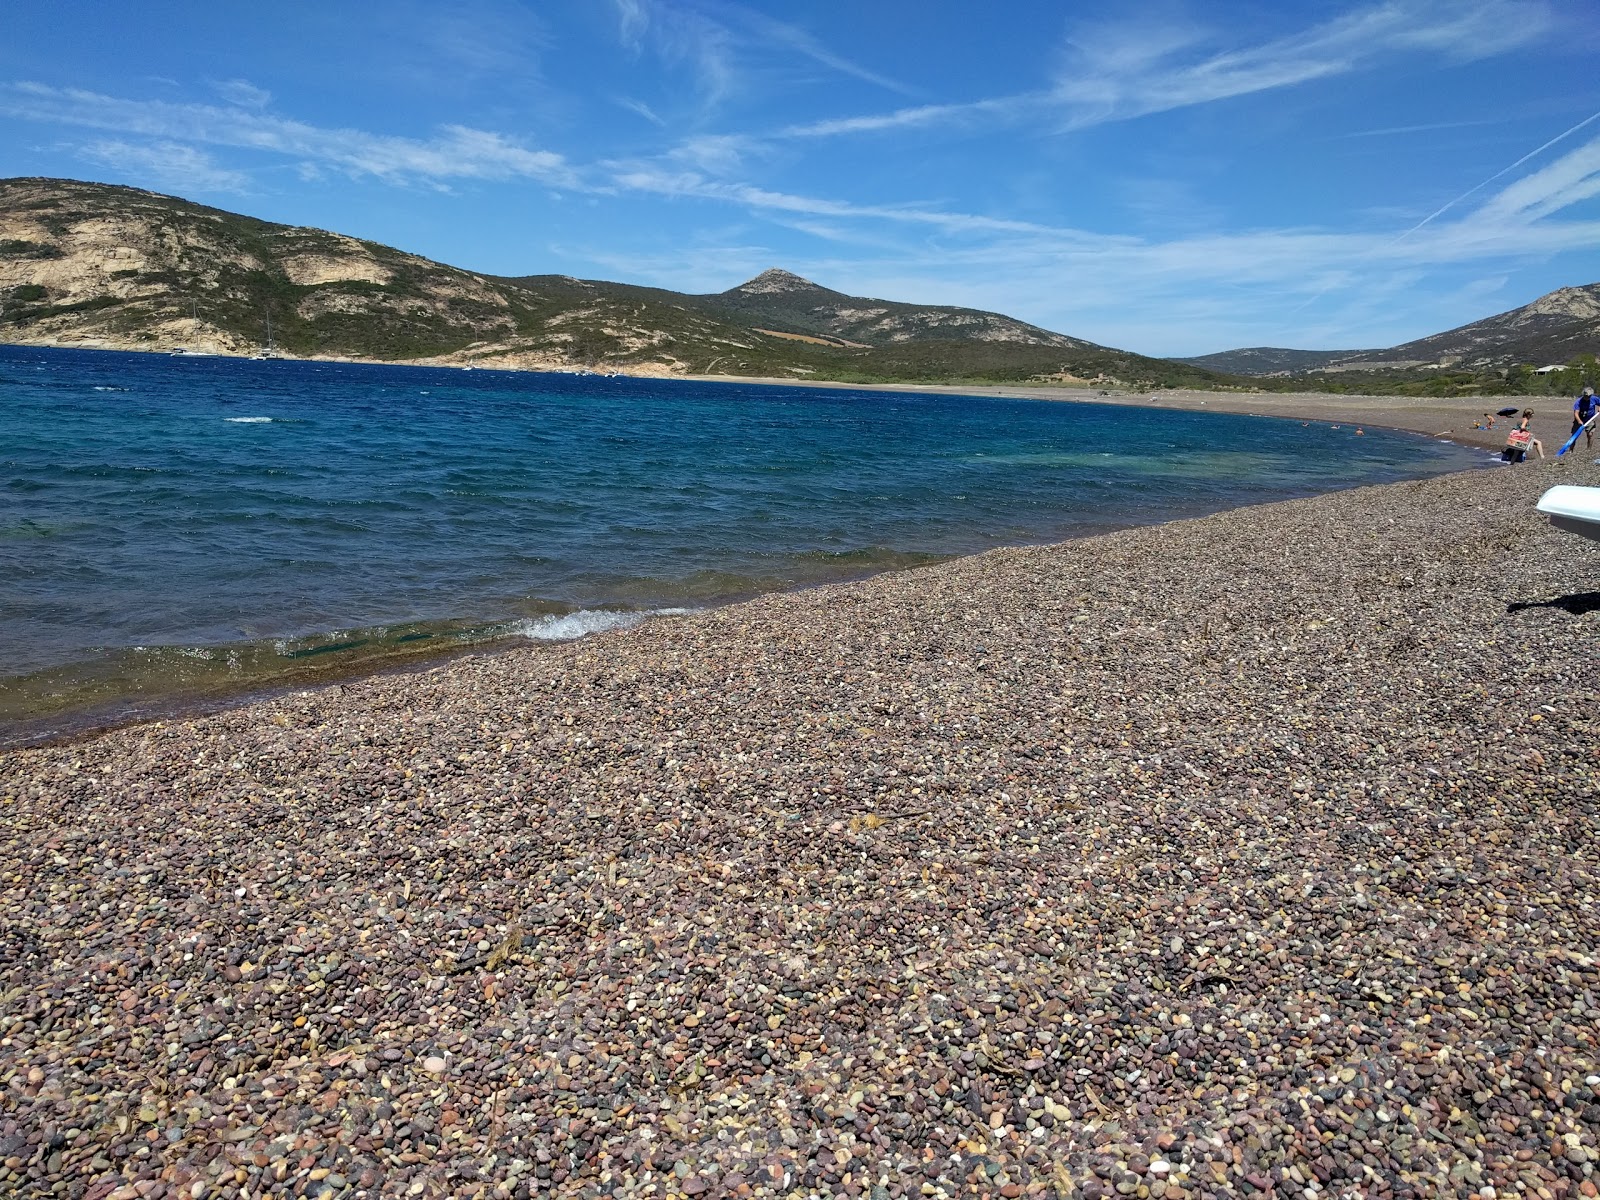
(197, 518)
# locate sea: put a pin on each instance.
(179, 529)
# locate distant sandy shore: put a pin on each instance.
(1452, 419)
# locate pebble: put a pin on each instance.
(1223, 857)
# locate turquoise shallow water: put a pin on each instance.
(180, 522)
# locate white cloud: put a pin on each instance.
(243, 93)
(773, 33)
(681, 36)
(167, 165)
(716, 154)
(1070, 280)
(458, 152)
(1117, 75)
(1134, 68)
(663, 181)
(1572, 178)
(1395, 130)
(727, 46)
(643, 109)
(922, 115)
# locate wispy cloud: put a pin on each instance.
(773, 33)
(922, 115)
(681, 36)
(167, 165)
(243, 93)
(661, 181)
(1571, 178)
(1140, 82)
(479, 37)
(1019, 267)
(715, 154)
(1398, 130)
(1134, 68)
(727, 45)
(457, 152)
(642, 109)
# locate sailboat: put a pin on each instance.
(267, 350)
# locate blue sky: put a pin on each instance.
(1171, 178)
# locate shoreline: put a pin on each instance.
(1209, 858)
(1437, 417)
(1433, 417)
(65, 724)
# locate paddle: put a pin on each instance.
(1576, 434)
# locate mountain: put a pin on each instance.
(1269, 360)
(100, 265)
(779, 297)
(1553, 329)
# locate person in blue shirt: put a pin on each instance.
(1584, 409)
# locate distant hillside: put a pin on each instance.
(1269, 360)
(99, 265)
(780, 297)
(1554, 329)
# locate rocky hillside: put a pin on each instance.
(97, 265)
(782, 298)
(90, 264)
(1554, 329)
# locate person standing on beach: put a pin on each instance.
(1584, 409)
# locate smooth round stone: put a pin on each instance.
(433, 1063)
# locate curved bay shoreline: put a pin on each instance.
(114, 688)
(1245, 855)
(1450, 419)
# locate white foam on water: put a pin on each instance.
(248, 420)
(567, 627)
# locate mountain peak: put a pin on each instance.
(776, 280)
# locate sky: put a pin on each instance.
(1172, 178)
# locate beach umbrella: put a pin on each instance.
(1509, 410)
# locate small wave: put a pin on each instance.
(107, 388)
(567, 627)
(248, 420)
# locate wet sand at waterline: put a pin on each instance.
(1248, 855)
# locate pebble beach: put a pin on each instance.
(1252, 856)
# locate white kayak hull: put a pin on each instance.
(1574, 509)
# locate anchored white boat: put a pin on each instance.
(1575, 509)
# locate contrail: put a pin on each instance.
(1503, 171)
(1589, 120)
